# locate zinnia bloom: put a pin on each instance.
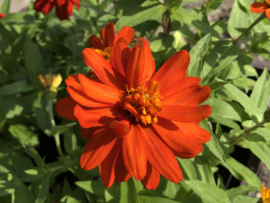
(259, 7)
(104, 45)
(265, 194)
(64, 8)
(137, 120)
(2, 15)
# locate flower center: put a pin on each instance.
(144, 103)
(106, 53)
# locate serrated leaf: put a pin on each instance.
(147, 10)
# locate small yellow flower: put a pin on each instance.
(50, 83)
(265, 194)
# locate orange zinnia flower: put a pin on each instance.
(265, 194)
(108, 39)
(2, 15)
(137, 121)
(259, 7)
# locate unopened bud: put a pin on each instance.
(50, 83)
(267, 116)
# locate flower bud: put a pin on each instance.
(50, 83)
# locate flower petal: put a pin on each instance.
(191, 96)
(126, 35)
(134, 155)
(160, 156)
(87, 132)
(185, 114)
(172, 71)
(176, 139)
(44, 6)
(135, 67)
(99, 92)
(109, 35)
(83, 99)
(97, 148)
(267, 13)
(258, 7)
(106, 168)
(65, 108)
(151, 180)
(103, 69)
(95, 117)
(119, 57)
(95, 42)
(121, 173)
(63, 11)
(73, 81)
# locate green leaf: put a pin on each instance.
(24, 135)
(227, 109)
(59, 129)
(204, 170)
(217, 85)
(121, 195)
(133, 196)
(188, 169)
(4, 8)
(34, 64)
(213, 144)
(244, 190)
(238, 22)
(198, 24)
(147, 196)
(16, 87)
(244, 199)
(208, 192)
(127, 5)
(32, 175)
(40, 105)
(42, 193)
(258, 147)
(20, 18)
(147, 10)
(2, 114)
(70, 142)
(219, 58)
(261, 92)
(22, 193)
(173, 3)
(196, 54)
(241, 172)
(32, 152)
(166, 188)
(237, 95)
(94, 187)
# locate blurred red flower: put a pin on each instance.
(108, 38)
(137, 120)
(259, 7)
(64, 8)
(2, 15)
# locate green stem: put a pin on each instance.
(246, 131)
(164, 23)
(262, 16)
(207, 5)
(56, 136)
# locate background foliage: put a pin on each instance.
(32, 44)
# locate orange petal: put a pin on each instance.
(84, 100)
(73, 81)
(87, 132)
(65, 108)
(97, 148)
(103, 69)
(99, 92)
(149, 65)
(119, 57)
(174, 137)
(258, 7)
(102, 34)
(63, 11)
(134, 155)
(44, 6)
(121, 127)
(95, 42)
(127, 33)
(95, 117)
(186, 114)
(263, 192)
(172, 71)
(106, 168)
(135, 67)
(182, 84)
(191, 96)
(151, 180)
(160, 156)
(109, 35)
(267, 13)
(121, 173)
